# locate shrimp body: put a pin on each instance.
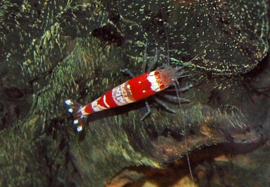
(133, 90)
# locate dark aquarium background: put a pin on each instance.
(53, 50)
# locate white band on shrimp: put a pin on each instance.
(154, 84)
(96, 107)
(120, 94)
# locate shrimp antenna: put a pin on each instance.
(177, 87)
(167, 38)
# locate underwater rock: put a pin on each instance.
(53, 52)
(230, 35)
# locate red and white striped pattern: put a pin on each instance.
(130, 91)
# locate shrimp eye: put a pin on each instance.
(157, 74)
(161, 85)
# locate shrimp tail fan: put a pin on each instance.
(77, 110)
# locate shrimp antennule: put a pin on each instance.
(77, 110)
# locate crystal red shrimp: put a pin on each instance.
(133, 90)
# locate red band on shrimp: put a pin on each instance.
(88, 109)
(140, 87)
(109, 99)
